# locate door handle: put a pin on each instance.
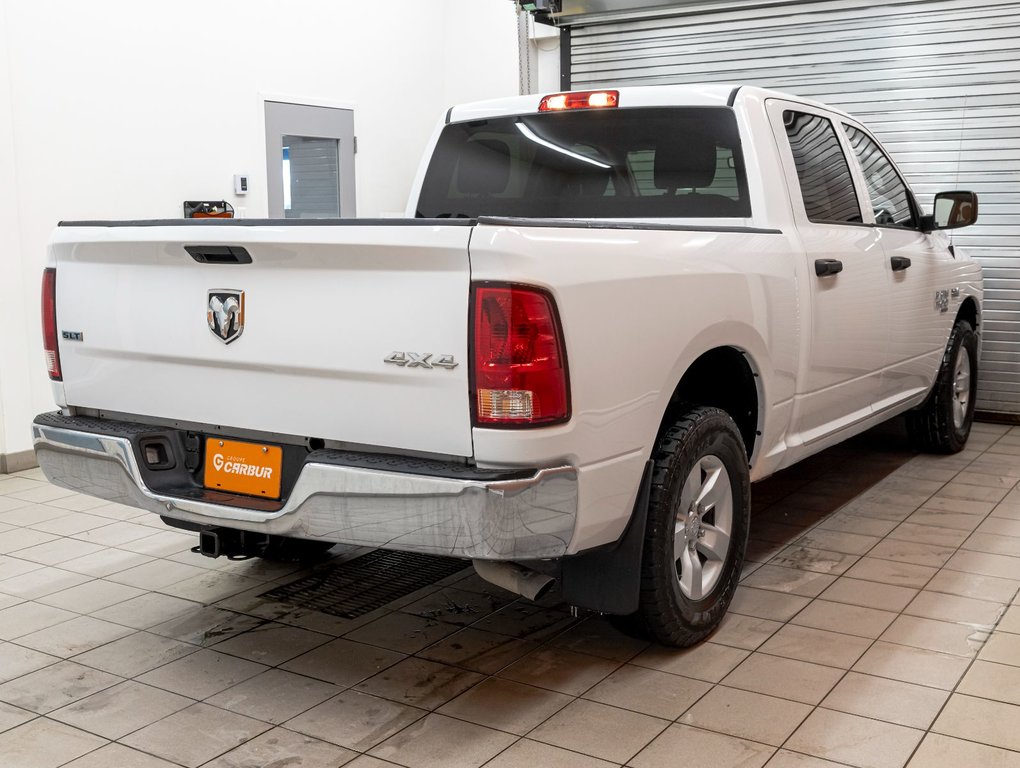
(899, 263)
(825, 267)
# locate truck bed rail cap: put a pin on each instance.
(509, 221)
(403, 222)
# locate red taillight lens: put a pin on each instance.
(518, 360)
(579, 100)
(49, 322)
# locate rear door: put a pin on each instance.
(844, 343)
(281, 329)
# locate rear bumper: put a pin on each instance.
(526, 517)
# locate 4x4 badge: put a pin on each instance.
(225, 313)
(421, 360)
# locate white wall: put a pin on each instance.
(15, 381)
(118, 109)
(545, 46)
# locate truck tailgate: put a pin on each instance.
(323, 308)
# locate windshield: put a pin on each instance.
(611, 163)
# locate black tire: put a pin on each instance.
(942, 424)
(702, 444)
(288, 550)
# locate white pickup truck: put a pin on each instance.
(605, 315)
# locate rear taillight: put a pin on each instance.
(49, 322)
(519, 366)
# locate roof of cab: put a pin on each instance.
(705, 95)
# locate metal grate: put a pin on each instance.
(365, 583)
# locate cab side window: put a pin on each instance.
(822, 169)
(889, 196)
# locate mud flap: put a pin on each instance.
(608, 580)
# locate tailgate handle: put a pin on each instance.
(218, 254)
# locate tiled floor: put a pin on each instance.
(877, 625)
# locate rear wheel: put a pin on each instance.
(698, 520)
(942, 424)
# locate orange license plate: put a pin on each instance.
(247, 468)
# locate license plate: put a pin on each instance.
(247, 468)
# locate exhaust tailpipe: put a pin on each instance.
(515, 578)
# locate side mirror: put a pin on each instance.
(952, 211)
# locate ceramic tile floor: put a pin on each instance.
(877, 625)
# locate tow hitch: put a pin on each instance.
(230, 543)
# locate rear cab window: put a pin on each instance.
(656, 162)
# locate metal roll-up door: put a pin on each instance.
(938, 83)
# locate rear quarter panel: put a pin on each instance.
(638, 307)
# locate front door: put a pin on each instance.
(916, 329)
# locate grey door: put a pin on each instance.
(309, 161)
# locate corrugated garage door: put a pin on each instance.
(938, 82)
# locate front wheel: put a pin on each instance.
(942, 424)
(698, 518)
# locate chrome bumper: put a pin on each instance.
(517, 519)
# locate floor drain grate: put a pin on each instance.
(365, 583)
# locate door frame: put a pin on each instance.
(348, 206)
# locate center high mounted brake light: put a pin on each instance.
(558, 102)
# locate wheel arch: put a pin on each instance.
(728, 376)
(969, 311)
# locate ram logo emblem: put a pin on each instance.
(225, 314)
